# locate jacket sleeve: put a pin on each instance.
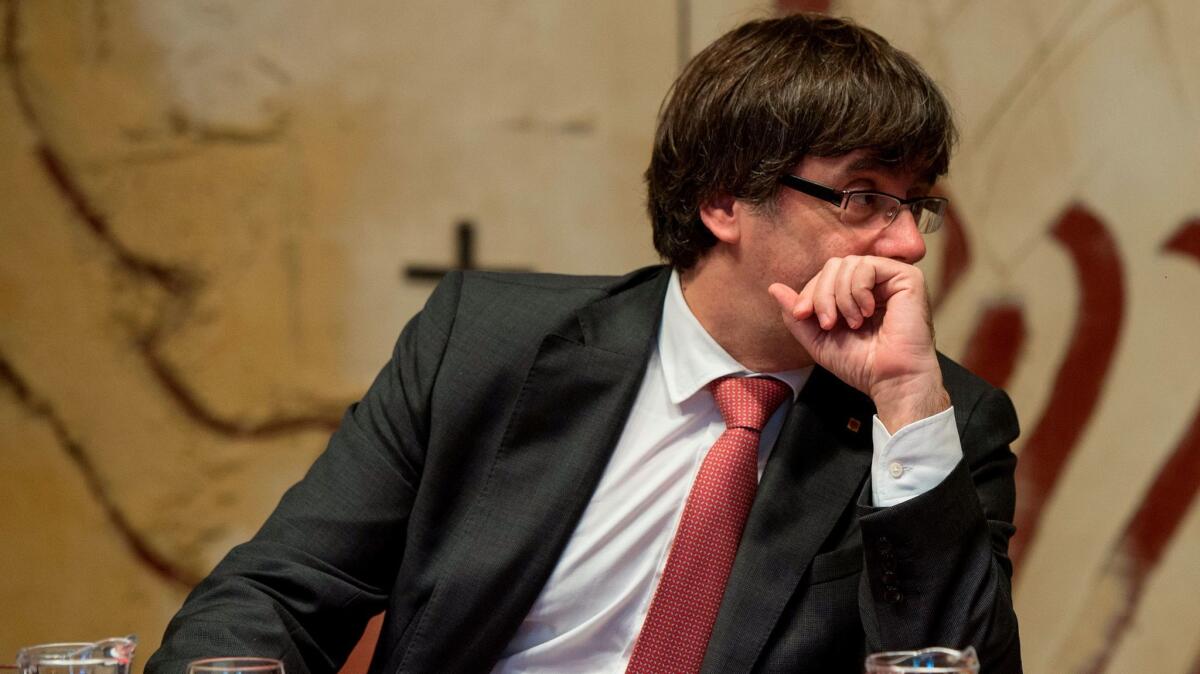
(304, 587)
(937, 571)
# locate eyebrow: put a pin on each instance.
(873, 163)
(865, 163)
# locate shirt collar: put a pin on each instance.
(691, 358)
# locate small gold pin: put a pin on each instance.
(853, 424)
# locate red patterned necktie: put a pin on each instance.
(675, 634)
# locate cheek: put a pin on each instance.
(794, 264)
(806, 260)
(835, 243)
(793, 250)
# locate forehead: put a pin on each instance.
(862, 163)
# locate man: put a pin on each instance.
(524, 487)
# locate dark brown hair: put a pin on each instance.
(754, 103)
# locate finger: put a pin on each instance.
(804, 330)
(823, 298)
(786, 297)
(862, 287)
(795, 305)
(843, 292)
(893, 276)
(804, 305)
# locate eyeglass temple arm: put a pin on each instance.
(812, 189)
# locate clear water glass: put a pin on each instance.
(924, 661)
(110, 656)
(235, 666)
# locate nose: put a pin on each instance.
(901, 240)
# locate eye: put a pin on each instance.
(861, 207)
(862, 202)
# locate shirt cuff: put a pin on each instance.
(914, 460)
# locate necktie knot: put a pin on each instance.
(747, 402)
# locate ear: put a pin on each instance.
(721, 216)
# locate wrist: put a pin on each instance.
(900, 403)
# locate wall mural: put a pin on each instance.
(212, 232)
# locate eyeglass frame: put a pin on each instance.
(840, 197)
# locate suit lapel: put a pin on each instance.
(566, 422)
(816, 470)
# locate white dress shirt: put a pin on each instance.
(589, 613)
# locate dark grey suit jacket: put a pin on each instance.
(449, 491)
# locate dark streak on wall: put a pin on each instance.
(80, 457)
(180, 285)
(181, 288)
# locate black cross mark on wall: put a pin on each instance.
(465, 239)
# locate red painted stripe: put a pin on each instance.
(1186, 239)
(1177, 483)
(956, 257)
(1141, 546)
(793, 6)
(1164, 506)
(996, 344)
(1080, 378)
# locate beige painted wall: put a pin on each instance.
(206, 208)
(207, 211)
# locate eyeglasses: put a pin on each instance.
(866, 208)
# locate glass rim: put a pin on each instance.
(891, 661)
(66, 653)
(58, 644)
(241, 663)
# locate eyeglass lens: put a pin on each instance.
(864, 208)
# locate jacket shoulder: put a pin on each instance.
(511, 312)
(531, 300)
(971, 394)
(557, 284)
(962, 384)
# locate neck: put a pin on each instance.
(741, 317)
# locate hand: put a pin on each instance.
(867, 320)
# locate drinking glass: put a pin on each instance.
(235, 666)
(110, 656)
(924, 661)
